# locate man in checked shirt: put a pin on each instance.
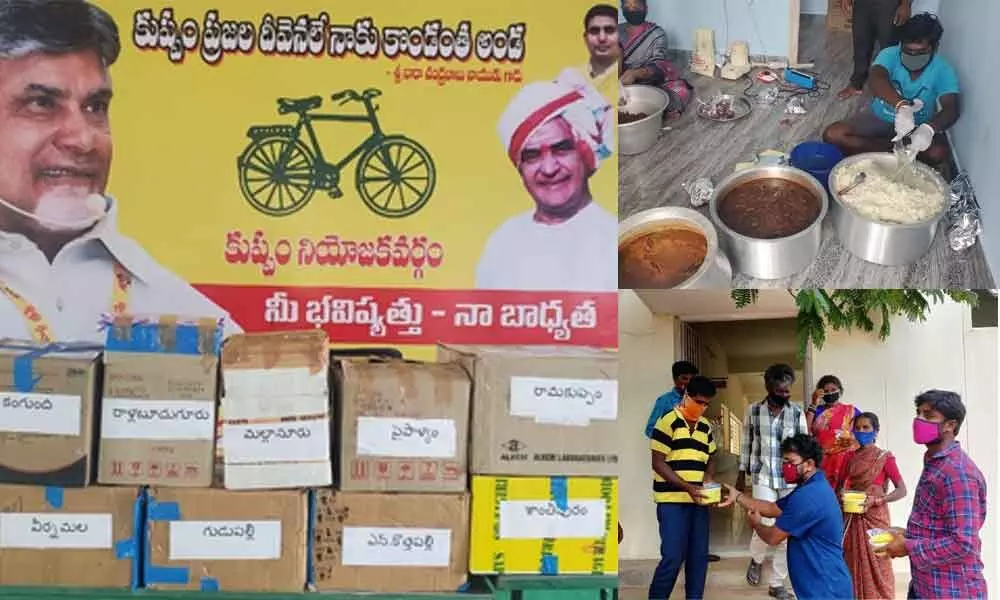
(949, 507)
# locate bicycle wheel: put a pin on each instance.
(276, 175)
(396, 178)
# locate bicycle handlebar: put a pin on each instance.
(346, 96)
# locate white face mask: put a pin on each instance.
(65, 210)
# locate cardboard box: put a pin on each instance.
(544, 525)
(541, 410)
(65, 537)
(46, 414)
(390, 543)
(404, 426)
(276, 411)
(158, 411)
(216, 540)
(839, 15)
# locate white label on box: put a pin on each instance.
(225, 540)
(297, 381)
(396, 547)
(564, 401)
(538, 519)
(63, 531)
(125, 419)
(290, 441)
(407, 438)
(47, 414)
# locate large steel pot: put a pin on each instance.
(639, 136)
(887, 244)
(775, 258)
(715, 272)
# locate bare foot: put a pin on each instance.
(849, 92)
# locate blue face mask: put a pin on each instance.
(864, 437)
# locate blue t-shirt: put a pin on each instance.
(664, 404)
(938, 79)
(811, 517)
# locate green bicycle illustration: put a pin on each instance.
(281, 169)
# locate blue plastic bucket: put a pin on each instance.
(817, 159)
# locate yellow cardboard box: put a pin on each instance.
(547, 525)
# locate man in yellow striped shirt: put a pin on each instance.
(682, 448)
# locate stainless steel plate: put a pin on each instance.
(740, 106)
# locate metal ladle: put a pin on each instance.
(858, 180)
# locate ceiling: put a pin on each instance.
(696, 306)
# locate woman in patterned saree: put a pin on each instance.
(832, 423)
(869, 469)
(644, 57)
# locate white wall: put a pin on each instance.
(818, 7)
(763, 24)
(885, 377)
(970, 29)
(646, 353)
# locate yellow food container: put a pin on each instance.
(854, 502)
(521, 525)
(713, 493)
(879, 538)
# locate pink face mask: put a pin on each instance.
(925, 432)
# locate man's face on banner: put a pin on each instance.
(551, 165)
(602, 37)
(55, 136)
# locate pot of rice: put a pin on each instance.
(885, 220)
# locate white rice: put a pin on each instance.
(912, 198)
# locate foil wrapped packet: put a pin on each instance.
(700, 190)
(964, 218)
(795, 106)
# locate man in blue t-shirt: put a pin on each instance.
(916, 98)
(809, 518)
(682, 372)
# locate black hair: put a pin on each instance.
(949, 404)
(872, 417)
(805, 446)
(700, 386)
(778, 374)
(57, 27)
(827, 379)
(923, 27)
(683, 367)
(600, 10)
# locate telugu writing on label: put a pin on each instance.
(131, 419)
(396, 546)
(316, 36)
(225, 540)
(302, 441)
(407, 438)
(45, 414)
(85, 531)
(526, 519)
(564, 401)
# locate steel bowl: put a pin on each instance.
(639, 136)
(887, 244)
(715, 272)
(774, 258)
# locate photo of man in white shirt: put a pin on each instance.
(63, 262)
(556, 135)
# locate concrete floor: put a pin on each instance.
(726, 581)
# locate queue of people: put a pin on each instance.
(800, 463)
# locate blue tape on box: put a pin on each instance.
(550, 564)
(209, 584)
(54, 496)
(24, 379)
(558, 487)
(152, 574)
(140, 336)
(310, 537)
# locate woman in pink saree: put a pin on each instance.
(644, 57)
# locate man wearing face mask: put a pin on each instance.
(682, 450)
(766, 425)
(63, 262)
(808, 518)
(949, 507)
(908, 82)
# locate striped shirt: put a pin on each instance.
(942, 537)
(760, 450)
(687, 453)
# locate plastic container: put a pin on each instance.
(713, 491)
(854, 502)
(817, 159)
(879, 538)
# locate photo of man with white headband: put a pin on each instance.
(63, 262)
